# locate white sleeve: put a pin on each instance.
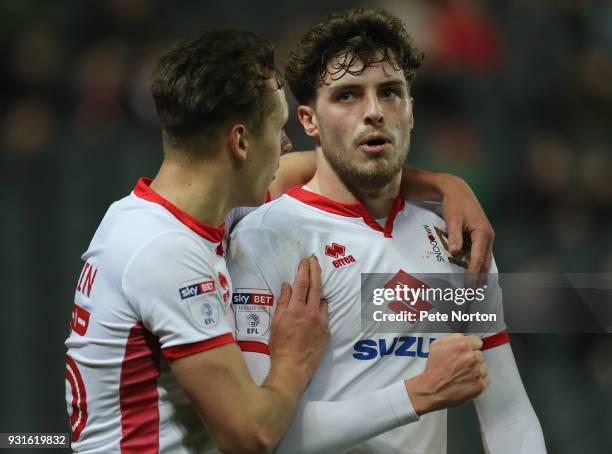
(259, 262)
(237, 214)
(234, 216)
(177, 295)
(331, 427)
(507, 420)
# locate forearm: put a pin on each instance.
(294, 169)
(241, 416)
(276, 402)
(328, 427)
(420, 185)
(508, 422)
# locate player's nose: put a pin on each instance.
(373, 110)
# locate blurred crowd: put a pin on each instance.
(514, 96)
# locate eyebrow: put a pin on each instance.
(394, 83)
(386, 84)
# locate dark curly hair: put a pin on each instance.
(210, 79)
(361, 38)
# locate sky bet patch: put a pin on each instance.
(253, 296)
(196, 288)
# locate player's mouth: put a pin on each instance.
(375, 143)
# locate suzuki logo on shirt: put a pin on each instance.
(412, 346)
(338, 251)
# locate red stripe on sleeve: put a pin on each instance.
(495, 340)
(180, 351)
(138, 396)
(253, 346)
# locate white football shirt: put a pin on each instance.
(154, 287)
(264, 250)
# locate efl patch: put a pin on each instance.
(202, 301)
(205, 312)
(253, 311)
(200, 287)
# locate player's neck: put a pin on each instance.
(200, 190)
(327, 183)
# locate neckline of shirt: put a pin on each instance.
(352, 210)
(213, 234)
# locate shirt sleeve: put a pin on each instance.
(235, 215)
(493, 333)
(176, 293)
(508, 422)
(321, 427)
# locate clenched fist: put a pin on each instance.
(455, 372)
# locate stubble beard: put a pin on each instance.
(373, 176)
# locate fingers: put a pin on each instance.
(484, 370)
(300, 284)
(486, 382)
(475, 342)
(486, 265)
(455, 234)
(324, 310)
(478, 251)
(283, 299)
(314, 292)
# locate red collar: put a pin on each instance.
(351, 210)
(212, 234)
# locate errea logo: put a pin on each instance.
(335, 250)
(338, 251)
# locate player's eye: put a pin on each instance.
(345, 96)
(388, 93)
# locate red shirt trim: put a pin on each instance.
(254, 346)
(138, 396)
(180, 351)
(352, 210)
(212, 234)
(495, 340)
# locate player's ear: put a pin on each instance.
(308, 118)
(238, 142)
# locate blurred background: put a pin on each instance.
(514, 96)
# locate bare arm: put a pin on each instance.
(294, 169)
(240, 416)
